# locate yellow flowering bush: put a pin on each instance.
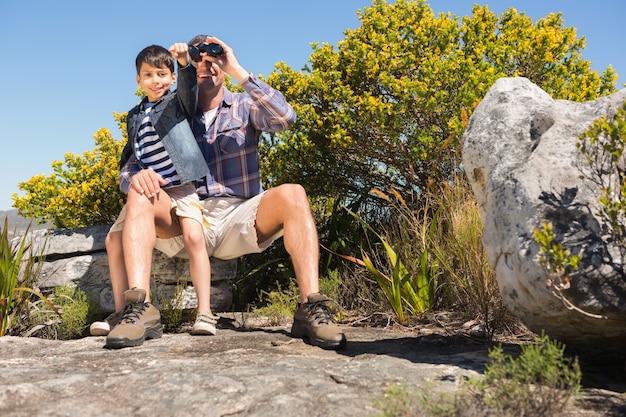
(387, 106)
(81, 191)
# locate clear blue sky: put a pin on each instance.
(67, 65)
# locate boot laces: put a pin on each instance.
(318, 311)
(133, 312)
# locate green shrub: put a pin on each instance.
(278, 305)
(329, 284)
(75, 312)
(603, 146)
(75, 308)
(466, 279)
(171, 308)
(540, 382)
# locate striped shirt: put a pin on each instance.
(152, 154)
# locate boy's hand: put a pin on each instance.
(180, 51)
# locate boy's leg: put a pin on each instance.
(117, 269)
(200, 270)
(190, 213)
(119, 281)
(199, 263)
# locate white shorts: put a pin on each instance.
(228, 224)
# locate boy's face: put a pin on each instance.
(155, 81)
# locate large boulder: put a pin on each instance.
(78, 257)
(521, 158)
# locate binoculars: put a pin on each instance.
(211, 49)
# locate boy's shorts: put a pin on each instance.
(228, 224)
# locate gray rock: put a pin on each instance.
(251, 373)
(520, 155)
(240, 372)
(78, 257)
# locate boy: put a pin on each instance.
(160, 139)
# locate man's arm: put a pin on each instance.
(271, 112)
(144, 181)
(129, 169)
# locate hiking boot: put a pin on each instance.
(102, 328)
(140, 321)
(312, 322)
(205, 324)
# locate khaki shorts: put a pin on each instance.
(228, 225)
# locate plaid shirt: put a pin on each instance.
(230, 143)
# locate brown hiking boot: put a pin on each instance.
(312, 322)
(141, 321)
(102, 328)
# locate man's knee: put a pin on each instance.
(294, 196)
(138, 204)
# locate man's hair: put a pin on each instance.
(155, 55)
(197, 39)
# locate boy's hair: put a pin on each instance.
(155, 55)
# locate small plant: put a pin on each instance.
(75, 308)
(540, 382)
(329, 284)
(171, 308)
(456, 243)
(73, 316)
(398, 401)
(603, 146)
(279, 305)
(560, 265)
(18, 271)
(558, 260)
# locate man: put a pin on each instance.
(240, 217)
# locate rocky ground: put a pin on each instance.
(243, 372)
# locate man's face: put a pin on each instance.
(155, 81)
(208, 73)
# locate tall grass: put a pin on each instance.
(431, 255)
(407, 287)
(18, 270)
(469, 281)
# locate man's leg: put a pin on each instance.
(287, 207)
(132, 256)
(145, 217)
